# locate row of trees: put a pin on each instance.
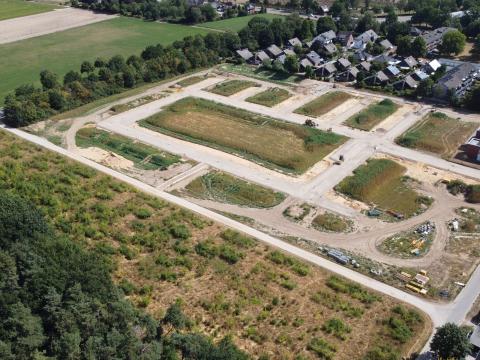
(58, 301)
(103, 77)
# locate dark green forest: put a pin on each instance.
(57, 301)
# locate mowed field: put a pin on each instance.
(438, 133)
(228, 284)
(22, 61)
(323, 104)
(235, 24)
(10, 9)
(270, 142)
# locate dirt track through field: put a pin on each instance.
(26, 27)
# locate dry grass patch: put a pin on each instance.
(229, 284)
(221, 187)
(372, 115)
(323, 104)
(330, 222)
(437, 133)
(270, 97)
(230, 87)
(192, 80)
(273, 143)
(380, 182)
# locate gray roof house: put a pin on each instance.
(262, 56)
(281, 58)
(245, 54)
(274, 51)
(304, 63)
(343, 64)
(432, 66)
(349, 75)
(329, 49)
(364, 66)
(419, 75)
(378, 79)
(367, 36)
(326, 71)
(406, 83)
(386, 45)
(288, 52)
(326, 37)
(434, 38)
(362, 56)
(384, 59)
(345, 38)
(314, 58)
(453, 79)
(392, 71)
(408, 63)
(294, 42)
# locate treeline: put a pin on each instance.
(29, 104)
(58, 301)
(171, 10)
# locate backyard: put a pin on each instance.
(323, 104)
(226, 283)
(22, 61)
(380, 182)
(245, 134)
(437, 133)
(221, 187)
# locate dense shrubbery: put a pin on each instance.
(106, 77)
(471, 192)
(57, 300)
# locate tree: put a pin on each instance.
(71, 76)
(472, 100)
(86, 67)
(325, 23)
(309, 72)
(425, 88)
(305, 30)
(451, 341)
(100, 62)
(453, 42)
(48, 79)
(367, 22)
(404, 45)
(291, 64)
(419, 47)
(476, 45)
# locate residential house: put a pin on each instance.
(406, 83)
(364, 66)
(419, 75)
(328, 49)
(349, 75)
(281, 58)
(408, 63)
(289, 52)
(361, 41)
(314, 58)
(362, 56)
(245, 54)
(386, 45)
(343, 64)
(294, 42)
(326, 71)
(392, 71)
(378, 79)
(414, 31)
(326, 37)
(432, 66)
(262, 56)
(472, 149)
(384, 59)
(304, 63)
(456, 81)
(345, 38)
(434, 38)
(274, 51)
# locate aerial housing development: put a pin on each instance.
(236, 180)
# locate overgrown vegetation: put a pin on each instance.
(437, 133)
(274, 143)
(192, 80)
(270, 97)
(471, 192)
(230, 87)
(408, 244)
(324, 103)
(332, 223)
(119, 108)
(143, 156)
(222, 187)
(372, 115)
(188, 273)
(380, 182)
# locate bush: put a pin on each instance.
(142, 213)
(322, 348)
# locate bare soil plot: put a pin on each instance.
(270, 142)
(230, 87)
(143, 156)
(323, 104)
(437, 133)
(373, 115)
(380, 182)
(270, 97)
(228, 284)
(221, 187)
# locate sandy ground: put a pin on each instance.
(46, 23)
(106, 158)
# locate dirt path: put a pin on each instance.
(46, 23)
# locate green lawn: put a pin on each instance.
(15, 8)
(22, 61)
(373, 115)
(235, 24)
